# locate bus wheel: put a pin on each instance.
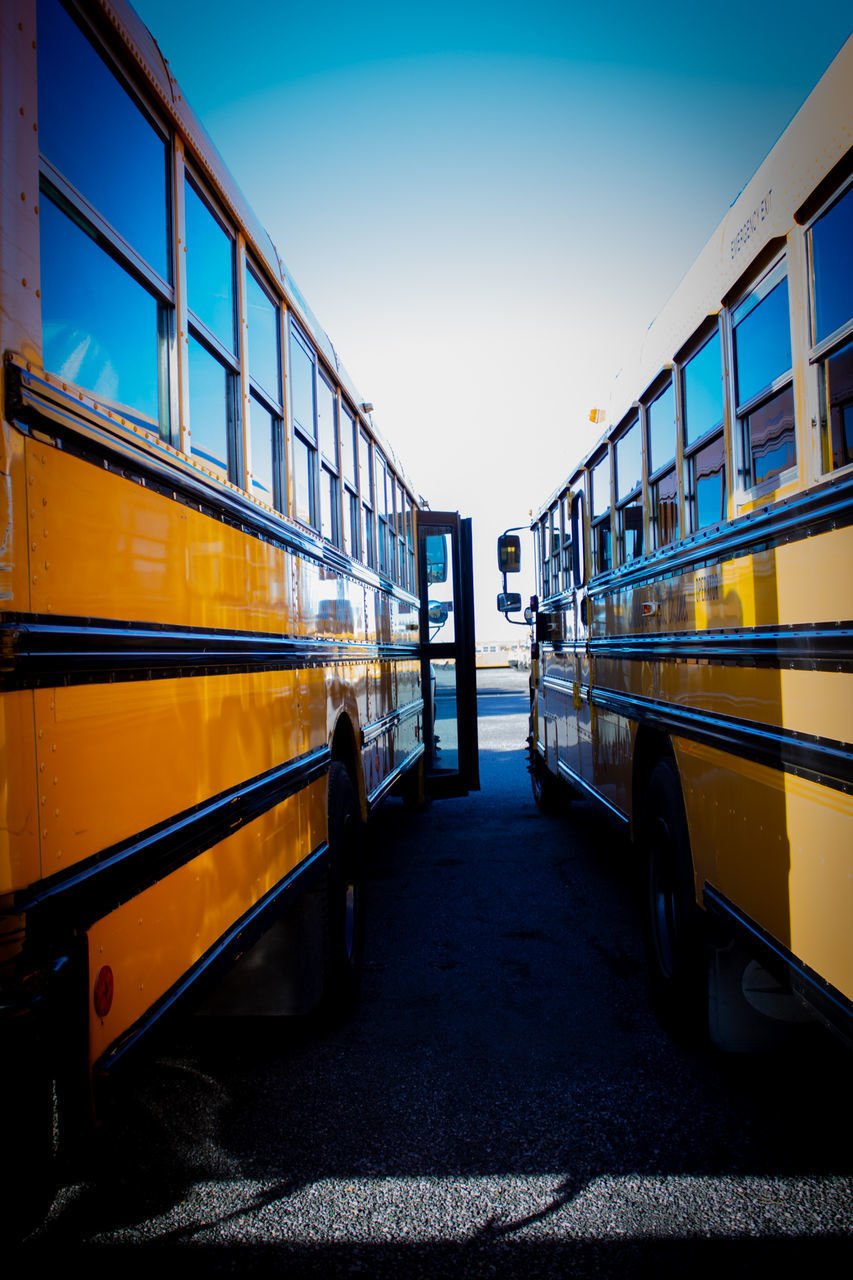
(344, 920)
(548, 792)
(674, 937)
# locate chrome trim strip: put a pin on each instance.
(394, 776)
(809, 646)
(36, 651)
(394, 718)
(565, 687)
(821, 760)
(575, 780)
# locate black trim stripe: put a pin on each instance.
(821, 760)
(99, 884)
(38, 651)
(809, 647)
(242, 934)
(92, 436)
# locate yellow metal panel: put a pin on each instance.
(313, 712)
(115, 759)
(106, 547)
(19, 852)
(779, 847)
(14, 516)
(313, 809)
(796, 583)
(812, 702)
(811, 580)
(151, 941)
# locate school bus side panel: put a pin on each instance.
(778, 847)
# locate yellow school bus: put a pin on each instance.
(215, 575)
(693, 649)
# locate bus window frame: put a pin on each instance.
(72, 203)
(706, 333)
(664, 382)
(759, 288)
(350, 490)
(300, 430)
(367, 498)
(631, 421)
(257, 392)
(601, 524)
(328, 467)
(823, 351)
(566, 541)
(213, 346)
(555, 548)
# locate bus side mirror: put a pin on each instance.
(509, 602)
(438, 611)
(509, 553)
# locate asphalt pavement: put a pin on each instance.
(501, 1102)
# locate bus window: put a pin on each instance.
(704, 446)
(265, 409)
(105, 264)
(327, 429)
(366, 485)
(211, 408)
(554, 529)
(211, 314)
(566, 523)
(349, 481)
(763, 379)
(385, 515)
(600, 516)
(832, 291)
(304, 444)
(629, 496)
(545, 556)
(663, 483)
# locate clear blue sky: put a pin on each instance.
(486, 203)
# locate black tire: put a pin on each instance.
(343, 944)
(550, 794)
(675, 940)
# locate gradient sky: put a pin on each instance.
(486, 204)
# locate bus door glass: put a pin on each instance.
(447, 653)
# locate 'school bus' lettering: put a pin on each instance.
(692, 668)
(215, 628)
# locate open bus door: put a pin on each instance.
(448, 672)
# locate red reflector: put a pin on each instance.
(104, 991)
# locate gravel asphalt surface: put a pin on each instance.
(501, 1102)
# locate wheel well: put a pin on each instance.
(650, 746)
(344, 749)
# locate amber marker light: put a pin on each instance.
(103, 991)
